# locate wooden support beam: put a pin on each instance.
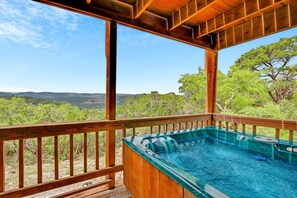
(188, 11)
(211, 67)
(122, 13)
(21, 163)
(39, 160)
(2, 167)
(244, 12)
(140, 6)
(111, 62)
(271, 22)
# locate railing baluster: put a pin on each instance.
(166, 127)
(291, 135)
(191, 125)
(179, 126)
(186, 125)
(151, 129)
(243, 127)
(71, 155)
(235, 127)
(134, 131)
(213, 123)
(56, 153)
(85, 152)
(39, 160)
(159, 129)
(97, 148)
(254, 129)
(173, 127)
(21, 163)
(277, 133)
(197, 124)
(124, 132)
(2, 167)
(220, 124)
(227, 125)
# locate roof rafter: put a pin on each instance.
(122, 13)
(244, 12)
(274, 21)
(140, 6)
(191, 9)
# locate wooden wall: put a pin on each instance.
(142, 179)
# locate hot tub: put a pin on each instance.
(209, 162)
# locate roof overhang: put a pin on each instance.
(208, 24)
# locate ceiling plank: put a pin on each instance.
(191, 9)
(122, 13)
(140, 6)
(242, 13)
(266, 24)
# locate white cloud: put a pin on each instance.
(28, 22)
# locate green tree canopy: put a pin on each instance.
(272, 63)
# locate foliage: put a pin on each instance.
(239, 90)
(261, 83)
(193, 89)
(17, 110)
(271, 63)
(154, 104)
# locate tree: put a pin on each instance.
(272, 64)
(193, 87)
(239, 90)
(154, 104)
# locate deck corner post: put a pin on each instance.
(111, 62)
(211, 67)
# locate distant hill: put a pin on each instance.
(82, 100)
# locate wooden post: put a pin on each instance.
(111, 62)
(2, 167)
(211, 67)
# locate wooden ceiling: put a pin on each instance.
(209, 24)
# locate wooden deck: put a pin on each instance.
(119, 191)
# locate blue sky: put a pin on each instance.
(48, 49)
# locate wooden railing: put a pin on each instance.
(280, 128)
(56, 131)
(272, 127)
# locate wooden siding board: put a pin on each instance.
(230, 37)
(211, 25)
(251, 7)
(293, 13)
(222, 39)
(169, 188)
(238, 30)
(269, 23)
(257, 27)
(127, 167)
(282, 18)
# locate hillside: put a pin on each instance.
(82, 100)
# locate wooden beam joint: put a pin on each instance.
(140, 6)
(188, 11)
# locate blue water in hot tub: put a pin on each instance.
(235, 172)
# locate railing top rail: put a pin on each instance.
(45, 130)
(257, 121)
